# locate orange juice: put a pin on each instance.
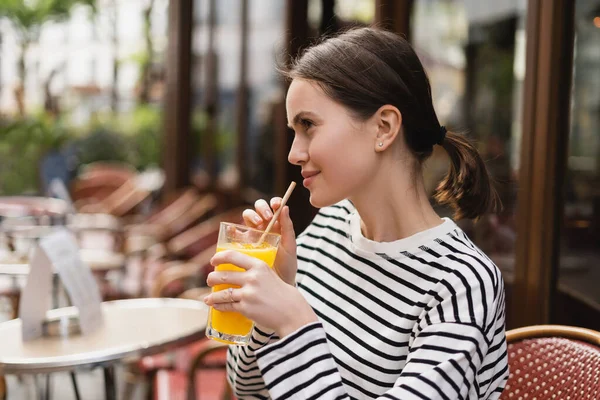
(234, 323)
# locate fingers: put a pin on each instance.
(288, 236)
(228, 295)
(252, 219)
(263, 209)
(227, 306)
(275, 203)
(236, 258)
(262, 214)
(225, 278)
(224, 300)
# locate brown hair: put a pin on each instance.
(366, 68)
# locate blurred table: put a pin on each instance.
(99, 261)
(102, 260)
(132, 329)
(95, 222)
(13, 276)
(14, 270)
(21, 206)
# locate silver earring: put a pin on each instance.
(380, 144)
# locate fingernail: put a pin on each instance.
(269, 214)
(257, 220)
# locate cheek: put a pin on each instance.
(346, 167)
(352, 161)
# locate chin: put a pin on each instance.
(322, 201)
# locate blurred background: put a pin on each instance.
(182, 98)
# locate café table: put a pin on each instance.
(47, 209)
(102, 260)
(97, 260)
(14, 270)
(100, 263)
(132, 329)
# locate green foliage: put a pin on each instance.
(134, 138)
(29, 16)
(131, 137)
(22, 145)
(146, 136)
(102, 144)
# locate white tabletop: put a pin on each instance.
(19, 206)
(97, 260)
(102, 260)
(95, 222)
(14, 269)
(132, 328)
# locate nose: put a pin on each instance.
(298, 154)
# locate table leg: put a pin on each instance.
(47, 393)
(75, 388)
(109, 383)
(39, 389)
(55, 290)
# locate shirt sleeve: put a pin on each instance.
(242, 369)
(442, 364)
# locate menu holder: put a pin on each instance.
(59, 252)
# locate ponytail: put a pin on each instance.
(468, 186)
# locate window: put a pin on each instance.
(474, 53)
(579, 263)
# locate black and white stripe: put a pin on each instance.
(420, 318)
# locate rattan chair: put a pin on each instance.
(212, 357)
(553, 362)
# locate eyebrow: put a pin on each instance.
(299, 116)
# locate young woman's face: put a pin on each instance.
(336, 152)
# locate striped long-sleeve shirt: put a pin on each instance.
(418, 318)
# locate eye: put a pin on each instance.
(306, 123)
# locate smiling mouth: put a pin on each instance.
(308, 178)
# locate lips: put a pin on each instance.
(308, 174)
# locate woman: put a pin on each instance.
(379, 297)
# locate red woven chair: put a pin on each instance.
(553, 362)
(99, 180)
(205, 379)
(180, 214)
(193, 241)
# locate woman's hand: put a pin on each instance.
(286, 263)
(262, 296)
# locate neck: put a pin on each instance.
(399, 212)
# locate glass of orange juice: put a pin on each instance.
(228, 326)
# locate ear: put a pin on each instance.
(389, 122)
